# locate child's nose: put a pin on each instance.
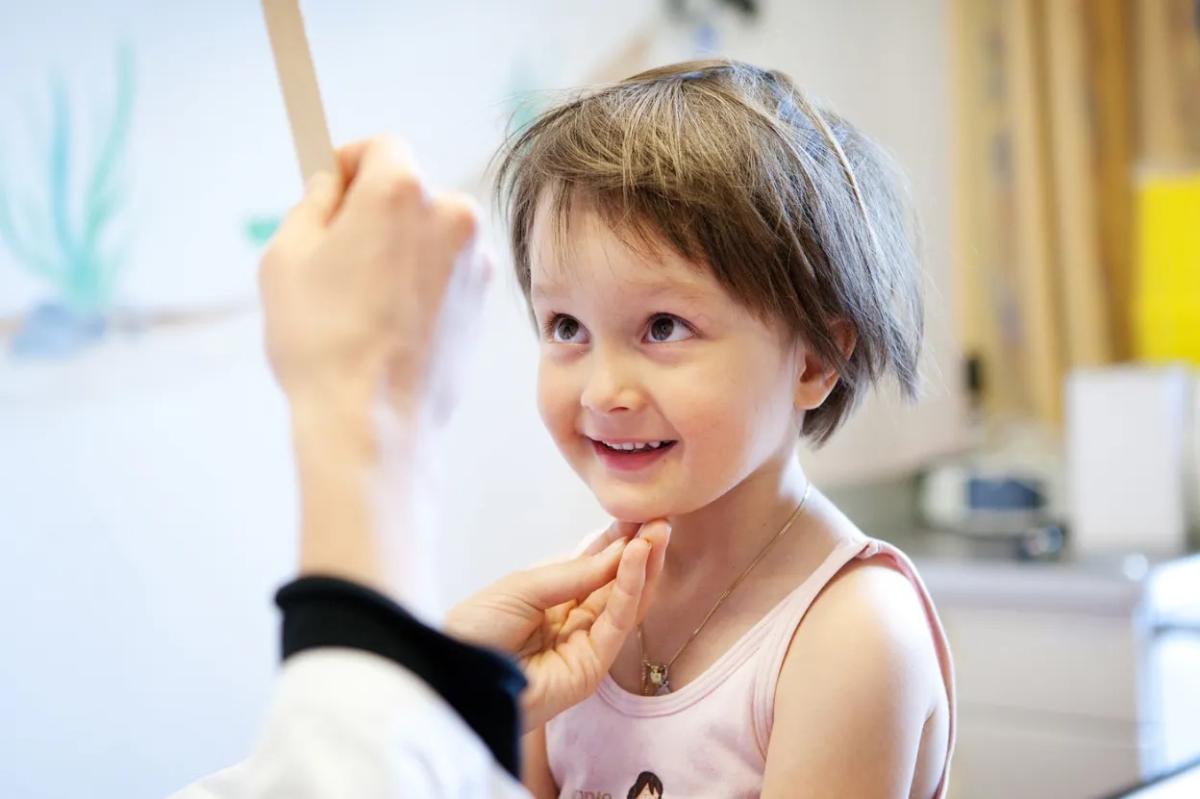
(610, 385)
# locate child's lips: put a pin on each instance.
(630, 460)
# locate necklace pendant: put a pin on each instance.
(654, 679)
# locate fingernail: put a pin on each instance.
(644, 527)
(614, 546)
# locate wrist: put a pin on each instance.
(359, 468)
(352, 425)
(339, 466)
(323, 418)
(533, 707)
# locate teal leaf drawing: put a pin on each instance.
(64, 237)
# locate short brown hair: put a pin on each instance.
(797, 214)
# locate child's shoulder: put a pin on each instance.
(874, 603)
(866, 660)
(871, 622)
(877, 592)
(875, 599)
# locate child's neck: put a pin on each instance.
(729, 532)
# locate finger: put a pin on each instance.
(356, 157)
(585, 613)
(619, 617)
(547, 586)
(657, 533)
(385, 175)
(617, 530)
(322, 193)
(457, 218)
(349, 158)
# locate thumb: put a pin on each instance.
(550, 585)
(322, 193)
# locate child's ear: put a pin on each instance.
(816, 377)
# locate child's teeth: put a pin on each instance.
(631, 447)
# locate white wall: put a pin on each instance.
(146, 498)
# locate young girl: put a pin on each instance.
(719, 269)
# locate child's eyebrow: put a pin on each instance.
(683, 290)
(552, 289)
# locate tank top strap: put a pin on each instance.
(783, 626)
(899, 561)
(796, 605)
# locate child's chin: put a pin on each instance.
(635, 509)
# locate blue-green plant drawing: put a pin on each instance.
(260, 229)
(67, 240)
(524, 104)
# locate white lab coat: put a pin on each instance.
(349, 724)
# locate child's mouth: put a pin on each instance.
(629, 456)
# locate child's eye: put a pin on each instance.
(564, 329)
(665, 329)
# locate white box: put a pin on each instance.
(1130, 453)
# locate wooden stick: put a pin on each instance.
(298, 79)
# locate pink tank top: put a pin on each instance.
(709, 738)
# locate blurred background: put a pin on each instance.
(1046, 485)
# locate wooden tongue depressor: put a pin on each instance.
(298, 79)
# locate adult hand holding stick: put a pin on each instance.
(366, 292)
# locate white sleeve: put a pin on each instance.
(348, 723)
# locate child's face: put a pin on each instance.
(648, 349)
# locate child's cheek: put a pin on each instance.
(722, 430)
(557, 405)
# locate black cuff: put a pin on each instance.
(481, 685)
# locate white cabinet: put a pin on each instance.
(1074, 680)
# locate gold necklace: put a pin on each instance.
(655, 676)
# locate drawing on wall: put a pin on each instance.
(68, 238)
(68, 224)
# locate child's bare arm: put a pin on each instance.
(535, 765)
(859, 695)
